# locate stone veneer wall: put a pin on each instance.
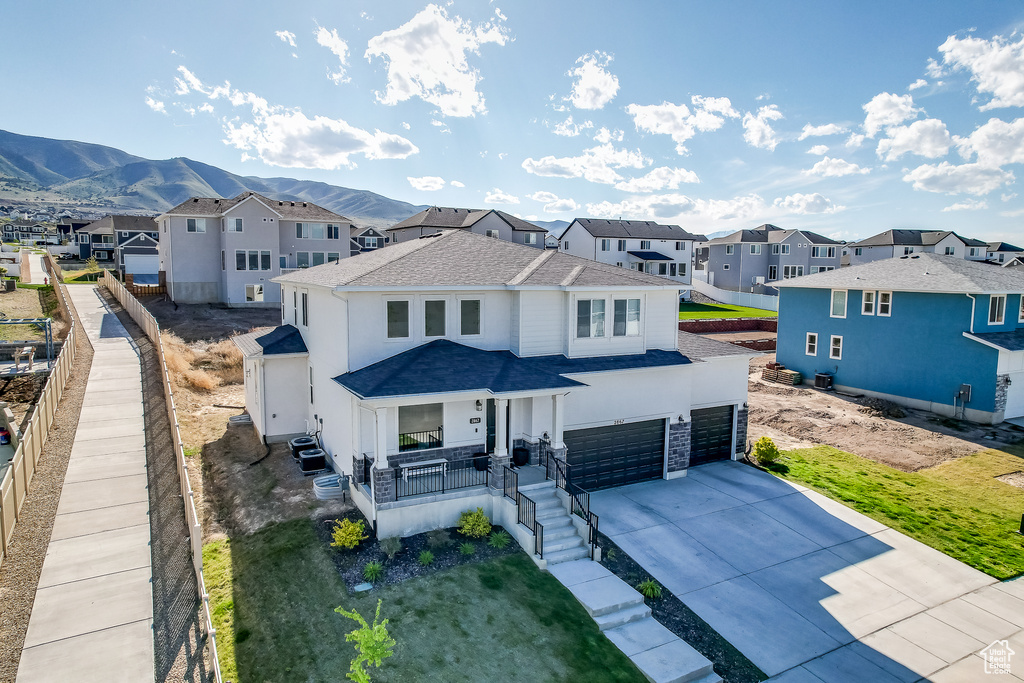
(384, 485)
(453, 453)
(741, 430)
(678, 446)
(534, 449)
(1002, 387)
(729, 325)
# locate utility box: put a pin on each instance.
(965, 393)
(823, 380)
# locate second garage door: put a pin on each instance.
(710, 435)
(602, 457)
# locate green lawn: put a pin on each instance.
(958, 507)
(273, 596)
(692, 311)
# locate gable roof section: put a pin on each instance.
(458, 258)
(444, 217)
(271, 341)
(1002, 246)
(770, 234)
(287, 210)
(601, 227)
(108, 224)
(139, 240)
(914, 238)
(917, 273)
(443, 366)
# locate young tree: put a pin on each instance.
(373, 643)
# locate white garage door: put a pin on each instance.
(141, 264)
(1015, 396)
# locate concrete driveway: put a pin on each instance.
(808, 589)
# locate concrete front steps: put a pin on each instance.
(621, 614)
(562, 543)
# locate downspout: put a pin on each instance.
(973, 302)
(964, 404)
(263, 403)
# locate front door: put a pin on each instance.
(491, 426)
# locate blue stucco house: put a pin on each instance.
(933, 332)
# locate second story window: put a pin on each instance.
(234, 225)
(679, 246)
(622, 245)
(627, 318)
(565, 246)
(730, 249)
(370, 242)
(305, 309)
(996, 309)
(589, 318)
(469, 317)
(434, 318)
(645, 244)
(530, 238)
(823, 252)
(949, 251)
(302, 259)
(493, 233)
(333, 231)
(838, 303)
(195, 224)
(775, 248)
(398, 319)
(606, 245)
(858, 251)
(755, 248)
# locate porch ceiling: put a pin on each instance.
(443, 366)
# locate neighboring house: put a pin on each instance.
(128, 242)
(644, 246)
(366, 239)
(435, 350)
(29, 231)
(1001, 252)
(68, 228)
(905, 242)
(489, 222)
(939, 333)
(227, 251)
(757, 260)
(550, 241)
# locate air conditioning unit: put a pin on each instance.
(759, 279)
(823, 380)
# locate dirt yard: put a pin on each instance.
(241, 484)
(907, 439)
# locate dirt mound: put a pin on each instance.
(877, 407)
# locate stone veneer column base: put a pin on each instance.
(678, 447)
(384, 485)
(741, 431)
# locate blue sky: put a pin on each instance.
(844, 118)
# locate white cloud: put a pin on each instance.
(818, 150)
(677, 121)
(926, 138)
(886, 109)
(658, 179)
(496, 196)
(406, 125)
(919, 83)
(456, 183)
(594, 86)
(604, 135)
(428, 183)
(810, 131)
(667, 206)
(967, 205)
(835, 168)
(854, 141)
(995, 143)
(156, 105)
(543, 196)
(595, 164)
(286, 36)
(757, 129)
(950, 179)
(561, 206)
(206, 107)
(996, 67)
(427, 58)
(803, 204)
(336, 45)
(1007, 196)
(571, 129)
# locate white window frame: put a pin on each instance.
(907, 251)
(621, 245)
(639, 317)
(530, 238)
(974, 251)
(408, 318)
(730, 249)
(195, 225)
(785, 249)
(858, 251)
(245, 258)
(775, 249)
(494, 233)
(884, 305)
(1020, 314)
(773, 271)
(868, 300)
(996, 313)
(797, 271)
(304, 299)
(309, 262)
(811, 344)
(606, 245)
(444, 318)
(647, 243)
(725, 266)
(755, 249)
(235, 225)
(458, 313)
(594, 318)
(949, 251)
(832, 303)
(832, 347)
(679, 245)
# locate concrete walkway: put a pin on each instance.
(92, 619)
(808, 589)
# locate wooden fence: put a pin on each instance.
(17, 478)
(144, 319)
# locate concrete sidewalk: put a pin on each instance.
(92, 619)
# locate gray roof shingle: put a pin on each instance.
(602, 227)
(1002, 246)
(289, 210)
(914, 238)
(459, 258)
(449, 217)
(108, 224)
(696, 347)
(917, 273)
(1011, 341)
(270, 341)
(770, 234)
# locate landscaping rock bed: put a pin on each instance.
(670, 612)
(405, 564)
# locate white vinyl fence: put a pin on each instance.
(149, 325)
(763, 301)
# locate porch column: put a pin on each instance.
(380, 443)
(500, 428)
(557, 420)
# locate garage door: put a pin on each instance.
(144, 264)
(602, 457)
(710, 435)
(1015, 396)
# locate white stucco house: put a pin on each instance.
(228, 251)
(426, 366)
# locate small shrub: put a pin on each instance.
(200, 380)
(390, 546)
(439, 538)
(426, 557)
(649, 589)
(348, 534)
(765, 451)
(467, 548)
(499, 539)
(610, 555)
(474, 523)
(373, 644)
(373, 571)
(192, 451)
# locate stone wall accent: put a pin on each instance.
(755, 345)
(357, 470)
(449, 454)
(678, 446)
(496, 478)
(384, 485)
(534, 449)
(729, 325)
(741, 430)
(1002, 388)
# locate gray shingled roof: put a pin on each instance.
(1011, 341)
(696, 347)
(770, 234)
(450, 217)
(1002, 246)
(270, 341)
(914, 238)
(460, 258)
(108, 224)
(289, 210)
(917, 273)
(602, 227)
